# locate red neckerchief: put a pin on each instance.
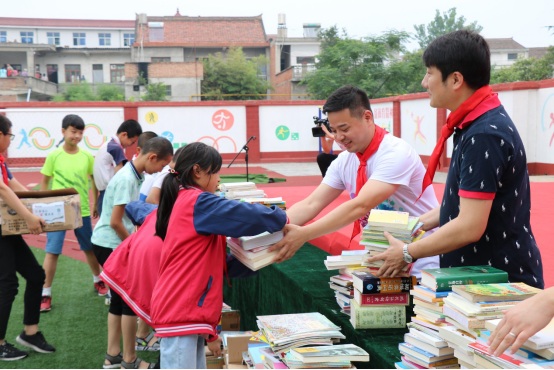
(478, 104)
(4, 170)
(361, 178)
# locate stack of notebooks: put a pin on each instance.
(399, 224)
(379, 303)
(239, 190)
(268, 202)
(253, 251)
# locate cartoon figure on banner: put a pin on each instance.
(417, 120)
(282, 132)
(24, 140)
(216, 141)
(168, 135)
(88, 142)
(223, 120)
(151, 117)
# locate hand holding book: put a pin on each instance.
(522, 322)
(393, 257)
(294, 239)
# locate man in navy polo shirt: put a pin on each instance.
(484, 216)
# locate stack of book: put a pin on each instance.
(253, 251)
(346, 259)
(286, 332)
(379, 302)
(239, 190)
(325, 357)
(344, 291)
(537, 352)
(268, 202)
(436, 338)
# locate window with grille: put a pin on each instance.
(128, 39)
(72, 72)
(105, 39)
(53, 38)
(117, 72)
(27, 37)
(512, 56)
(168, 90)
(3, 36)
(79, 39)
(160, 59)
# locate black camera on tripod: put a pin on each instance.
(318, 131)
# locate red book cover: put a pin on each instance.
(397, 299)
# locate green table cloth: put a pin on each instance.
(301, 284)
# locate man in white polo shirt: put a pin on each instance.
(377, 169)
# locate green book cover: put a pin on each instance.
(443, 279)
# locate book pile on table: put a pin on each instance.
(379, 303)
(253, 251)
(291, 339)
(399, 224)
(239, 190)
(447, 322)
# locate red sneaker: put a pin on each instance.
(46, 303)
(101, 288)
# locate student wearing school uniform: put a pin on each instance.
(193, 221)
(110, 157)
(485, 213)
(377, 169)
(114, 227)
(17, 257)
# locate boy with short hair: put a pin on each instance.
(69, 167)
(110, 158)
(16, 257)
(114, 227)
(148, 179)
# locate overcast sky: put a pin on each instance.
(524, 20)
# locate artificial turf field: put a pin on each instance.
(76, 326)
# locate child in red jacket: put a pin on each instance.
(193, 222)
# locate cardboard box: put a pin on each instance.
(230, 320)
(60, 208)
(236, 345)
(214, 362)
(230, 365)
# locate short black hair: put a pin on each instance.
(144, 137)
(5, 124)
(73, 120)
(131, 127)
(461, 51)
(350, 97)
(159, 146)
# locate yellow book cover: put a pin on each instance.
(380, 217)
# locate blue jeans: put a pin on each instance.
(55, 239)
(183, 352)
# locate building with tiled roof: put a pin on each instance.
(537, 52)
(506, 51)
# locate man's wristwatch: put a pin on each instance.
(407, 257)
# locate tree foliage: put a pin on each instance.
(85, 92)
(232, 76)
(441, 25)
(155, 91)
(369, 63)
(530, 69)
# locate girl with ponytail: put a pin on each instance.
(193, 223)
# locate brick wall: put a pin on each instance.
(11, 83)
(8, 98)
(283, 84)
(167, 70)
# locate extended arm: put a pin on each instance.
(372, 194)
(16, 185)
(431, 219)
(45, 182)
(307, 209)
(94, 197)
(34, 223)
(467, 228)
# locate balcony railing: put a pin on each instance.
(300, 71)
